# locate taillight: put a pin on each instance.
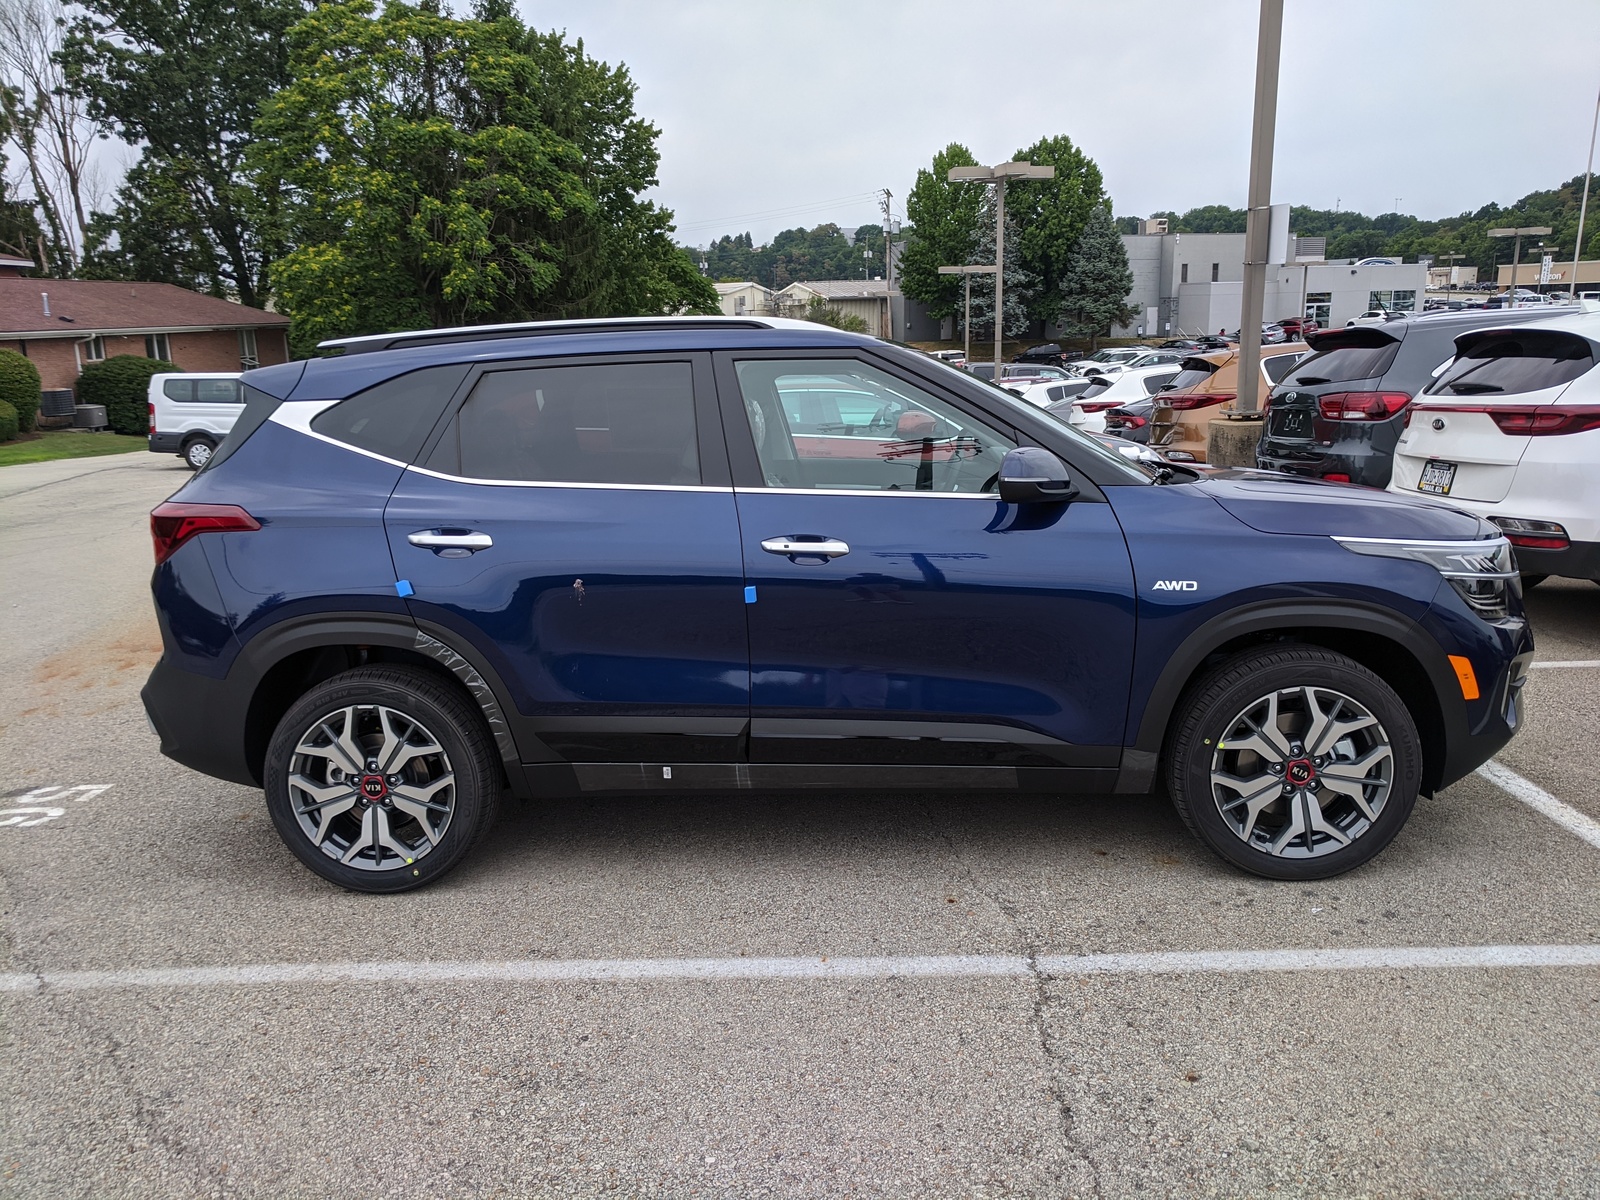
(171, 525)
(1532, 535)
(1098, 405)
(1336, 477)
(1544, 420)
(1361, 406)
(1124, 421)
(1187, 400)
(152, 405)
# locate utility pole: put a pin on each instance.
(966, 317)
(1583, 209)
(888, 282)
(1258, 219)
(998, 175)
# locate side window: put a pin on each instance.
(217, 391)
(601, 423)
(1154, 383)
(886, 435)
(392, 418)
(179, 390)
(1278, 366)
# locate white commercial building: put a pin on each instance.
(744, 299)
(1193, 283)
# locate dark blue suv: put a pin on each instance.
(699, 554)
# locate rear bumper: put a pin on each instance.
(1372, 470)
(1580, 560)
(200, 721)
(166, 443)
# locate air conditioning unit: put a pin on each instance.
(89, 416)
(1153, 225)
(56, 402)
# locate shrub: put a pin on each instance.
(122, 384)
(823, 313)
(8, 422)
(19, 387)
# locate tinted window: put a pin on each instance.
(605, 423)
(1195, 372)
(392, 418)
(1278, 366)
(202, 391)
(912, 441)
(258, 406)
(1364, 361)
(1521, 361)
(1096, 385)
(1156, 381)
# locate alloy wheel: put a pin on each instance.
(1302, 772)
(371, 787)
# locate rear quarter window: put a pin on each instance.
(1191, 375)
(392, 418)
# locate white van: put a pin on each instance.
(191, 413)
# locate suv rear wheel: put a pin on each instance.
(1294, 762)
(380, 779)
(197, 451)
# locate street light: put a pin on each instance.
(998, 175)
(1516, 248)
(1583, 208)
(1449, 282)
(966, 317)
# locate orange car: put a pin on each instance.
(1178, 425)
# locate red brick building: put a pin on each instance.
(62, 324)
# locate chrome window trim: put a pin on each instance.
(546, 483)
(992, 497)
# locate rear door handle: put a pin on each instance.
(451, 543)
(799, 547)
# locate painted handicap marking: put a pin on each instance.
(25, 816)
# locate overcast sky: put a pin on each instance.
(777, 113)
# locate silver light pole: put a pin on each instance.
(1258, 218)
(998, 175)
(966, 317)
(1583, 209)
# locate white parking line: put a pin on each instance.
(600, 970)
(1536, 798)
(1570, 662)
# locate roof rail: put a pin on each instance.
(369, 343)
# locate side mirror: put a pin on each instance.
(1031, 475)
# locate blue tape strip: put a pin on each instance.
(750, 595)
(403, 588)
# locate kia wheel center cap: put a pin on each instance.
(1300, 772)
(374, 787)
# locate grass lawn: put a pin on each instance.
(66, 443)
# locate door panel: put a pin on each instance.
(935, 625)
(614, 610)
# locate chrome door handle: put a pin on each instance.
(450, 539)
(801, 548)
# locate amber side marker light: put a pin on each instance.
(1465, 676)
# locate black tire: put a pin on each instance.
(441, 717)
(1532, 581)
(197, 452)
(1221, 702)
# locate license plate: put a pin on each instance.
(1437, 478)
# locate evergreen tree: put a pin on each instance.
(1094, 290)
(1022, 285)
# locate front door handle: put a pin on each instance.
(802, 547)
(451, 543)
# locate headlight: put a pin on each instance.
(1482, 571)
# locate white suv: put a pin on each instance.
(1510, 430)
(191, 413)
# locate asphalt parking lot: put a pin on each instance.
(778, 995)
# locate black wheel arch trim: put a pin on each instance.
(1140, 758)
(276, 643)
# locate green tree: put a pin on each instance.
(184, 79)
(1052, 215)
(821, 312)
(1094, 290)
(444, 171)
(1021, 296)
(945, 217)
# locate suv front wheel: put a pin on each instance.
(381, 778)
(1294, 762)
